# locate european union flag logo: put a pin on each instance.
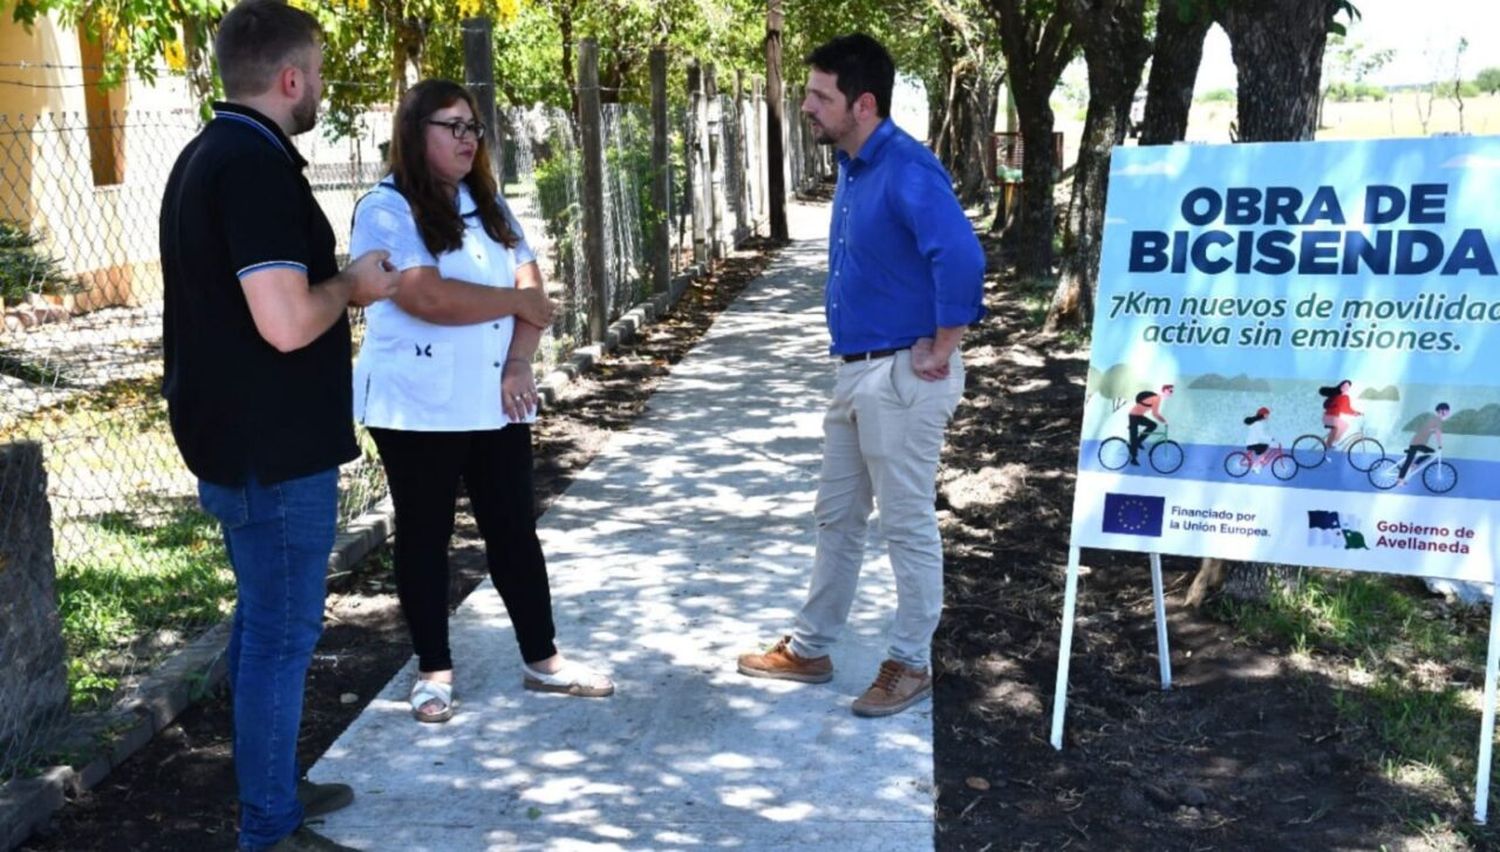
(1134, 514)
(1317, 520)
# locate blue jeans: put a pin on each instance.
(278, 537)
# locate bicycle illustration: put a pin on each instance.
(1438, 476)
(1162, 453)
(1281, 463)
(1363, 450)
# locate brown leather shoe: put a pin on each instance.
(780, 663)
(897, 687)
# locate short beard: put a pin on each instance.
(305, 114)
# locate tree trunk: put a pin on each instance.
(1035, 223)
(968, 134)
(1037, 47)
(1278, 55)
(1277, 47)
(1115, 48)
(960, 120)
(937, 113)
(1174, 71)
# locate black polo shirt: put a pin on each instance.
(236, 202)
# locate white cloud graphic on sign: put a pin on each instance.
(1473, 162)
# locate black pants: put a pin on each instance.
(1140, 427)
(1411, 456)
(424, 469)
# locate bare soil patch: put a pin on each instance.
(1247, 751)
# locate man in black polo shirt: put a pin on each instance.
(258, 385)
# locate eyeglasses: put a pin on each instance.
(460, 128)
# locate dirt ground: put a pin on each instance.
(1246, 752)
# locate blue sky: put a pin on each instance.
(1423, 35)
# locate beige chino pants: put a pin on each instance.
(882, 437)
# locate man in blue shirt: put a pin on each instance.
(905, 280)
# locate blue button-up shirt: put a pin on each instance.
(902, 258)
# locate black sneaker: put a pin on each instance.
(305, 839)
(320, 799)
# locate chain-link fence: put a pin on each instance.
(140, 568)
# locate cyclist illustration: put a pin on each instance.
(1431, 425)
(1141, 426)
(1258, 438)
(1258, 452)
(1336, 406)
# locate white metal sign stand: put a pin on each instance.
(1065, 644)
(1487, 721)
(1164, 660)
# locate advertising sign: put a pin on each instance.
(1295, 356)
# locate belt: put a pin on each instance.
(873, 354)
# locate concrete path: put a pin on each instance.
(686, 542)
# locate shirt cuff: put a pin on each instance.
(951, 315)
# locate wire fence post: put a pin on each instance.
(591, 131)
(775, 149)
(714, 144)
(660, 251)
(479, 77)
(741, 155)
(697, 155)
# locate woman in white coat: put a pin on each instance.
(444, 383)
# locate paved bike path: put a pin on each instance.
(685, 542)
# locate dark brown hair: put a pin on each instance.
(258, 38)
(437, 217)
(860, 64)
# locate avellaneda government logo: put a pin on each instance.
(1334, 529)
(1133, 514)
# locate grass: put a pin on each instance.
(163, 580)
(1411, 667)
(140, 568)
(16, 365)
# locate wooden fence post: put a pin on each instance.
(697, 154)
(479, 77)
(591, 131)
(741, 161)
(714, 137)
(775, 150)
(661, 248)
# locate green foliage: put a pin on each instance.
(1389, 393)
(1218, 96)
(25, 268)
(1348, 92)
(1120, 383)
(1450, 88)
(1242, 382)
(137, 579)
(559, 173)
(16, 364)
(1488, 81)
(634, 160)
(1407, 661)
(138, 36)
